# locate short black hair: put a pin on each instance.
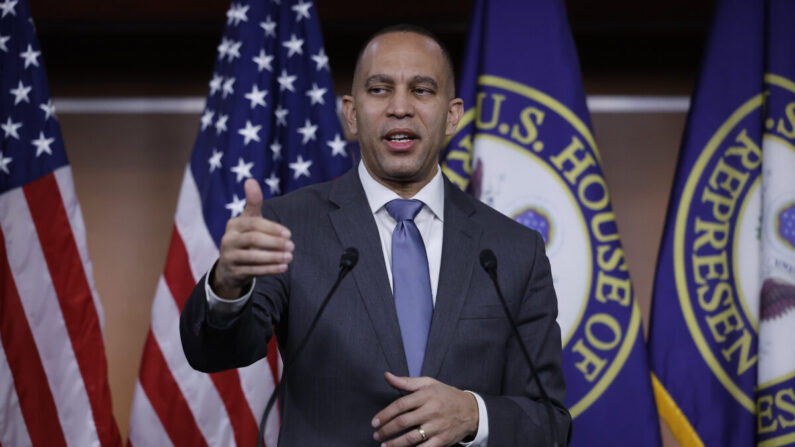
(410, 28)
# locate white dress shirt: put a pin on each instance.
(430, 223)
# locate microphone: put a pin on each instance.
(348, 261)
(489, 263)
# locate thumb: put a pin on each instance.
(404, 383)
(253, 199)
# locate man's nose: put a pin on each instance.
(401, 104)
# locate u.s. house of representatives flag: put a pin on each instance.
(53, 371)
(775, 388)
(270, 115)
(723, 321)
(525, 147)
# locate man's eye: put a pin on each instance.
(422, 91)
(377, 90)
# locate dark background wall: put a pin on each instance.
(168, 47)
(128, 167)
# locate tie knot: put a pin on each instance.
(403, 209)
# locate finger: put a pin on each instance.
(253, 240)
(396, 408)
(253, 199)
(230, 279)
(249, 271)
(411, 438)
(401, 423)
(244, 224)
(260, 241)
(254, 258)
(410, 384)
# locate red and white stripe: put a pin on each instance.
(174, 404)
(53, 384)
(13, 430)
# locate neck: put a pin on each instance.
(405, 189)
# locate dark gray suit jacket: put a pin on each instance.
(337, 383)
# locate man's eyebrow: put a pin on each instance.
(376, 78)
(425, 80)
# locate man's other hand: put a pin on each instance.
(446, 414)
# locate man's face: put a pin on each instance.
(402, 108)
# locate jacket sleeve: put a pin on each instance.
(211, 346)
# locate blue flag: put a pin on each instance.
(775, 388)
(525, 147)
(723, 318)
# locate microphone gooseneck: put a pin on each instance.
(348, 261)
(489, 263)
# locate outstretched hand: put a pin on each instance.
(251, 246)
(446, 414)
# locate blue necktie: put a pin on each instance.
(411, 282)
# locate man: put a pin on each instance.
(407, 352)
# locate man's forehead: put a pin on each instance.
(402, 41)
(395, 51)
(403, 47)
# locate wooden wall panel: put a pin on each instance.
(127, 173)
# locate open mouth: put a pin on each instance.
(400, 139)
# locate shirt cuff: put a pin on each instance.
(223, 311)
(482, 437)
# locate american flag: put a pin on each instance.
(270, 115)
(53, 371)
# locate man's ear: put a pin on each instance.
(455, 110)
(349, 110)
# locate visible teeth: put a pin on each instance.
(400, 138)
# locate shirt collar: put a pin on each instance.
(378, 195)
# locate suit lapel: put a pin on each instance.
(459, 253)
(355, 226)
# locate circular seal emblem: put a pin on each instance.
(716, 250)
(725, 246)
(530, 157)
(775, 391)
